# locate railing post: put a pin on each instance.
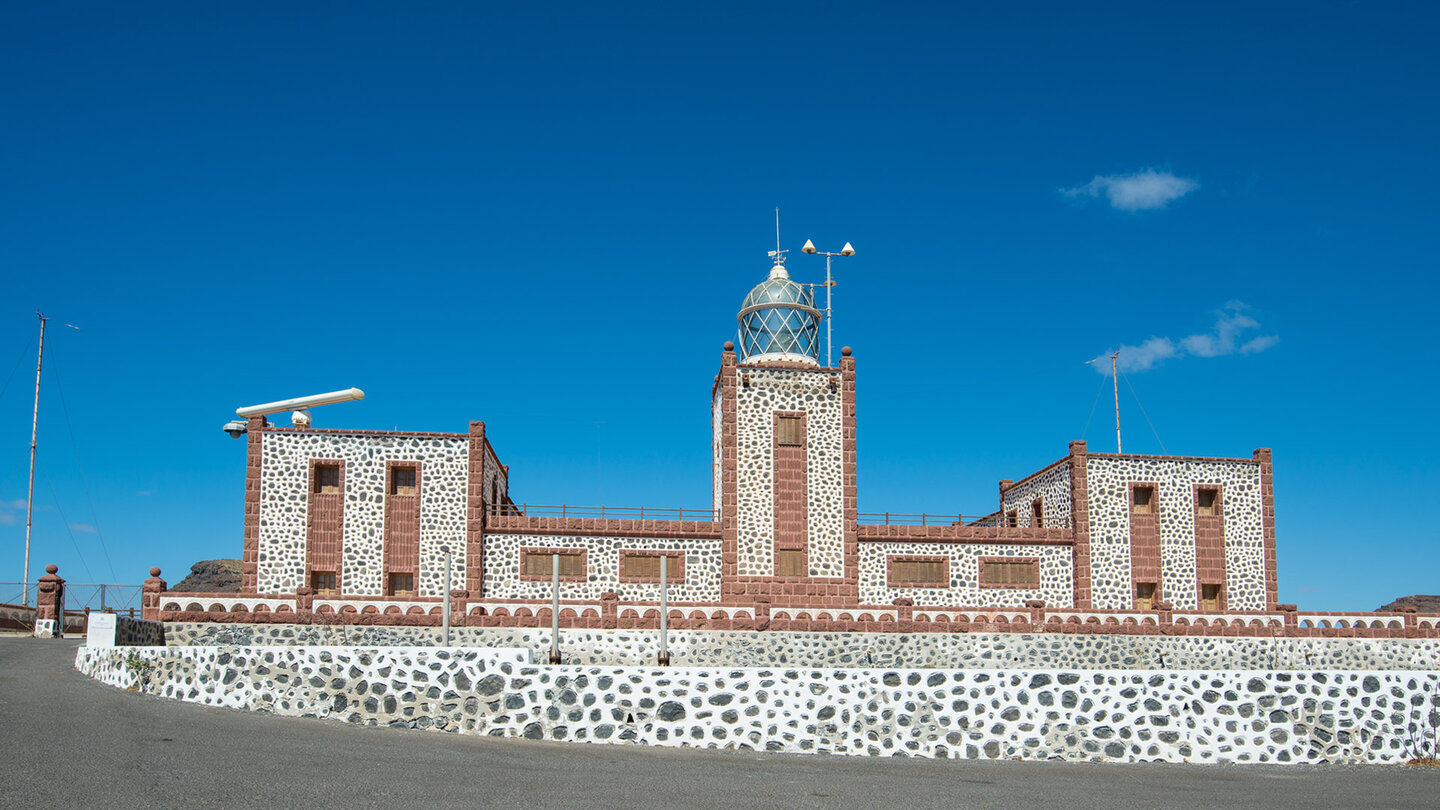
(664, 658)
(150, 596)
(887, 518)
(102, 598)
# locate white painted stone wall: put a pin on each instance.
(1056, 575)
(1117, 716)
(1053, 487)
(1108, 481)
(284, 500)
(772, 390)
(502, 568)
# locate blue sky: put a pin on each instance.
(545, 217)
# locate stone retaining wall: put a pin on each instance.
(1170, 716)
(917, 650)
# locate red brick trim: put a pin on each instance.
(727, 380)
(604, 527)
(789, 477)
(1034, 561)
(1267, 505)
(892, 582)
(315, 503)
(584, 563)
(475, 519)
(250, 555)
(1153, 517)
(1007, 484)
(879, 532)
(401, 542)
(1219, 518)
(674, 570)
(1173, 458)
(1080, 525)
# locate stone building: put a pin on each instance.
(365, 520)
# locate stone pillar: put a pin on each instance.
(1080, 526)
(50, 604)
(1267, 505)
(905, 615)
(1411, 621)
(1037, 614)
(150, 595)
(304, 605)
(609, 610)
(1166, 618)
(250, 554)
(1292, 616)
(475, 511)
(762, 613)
(459, 606)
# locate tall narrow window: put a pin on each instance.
(327, 479)
(788, 431)
(1142, 500)
(1207, 501)
(1144, 595)
(1012, 518)
(1037, 513)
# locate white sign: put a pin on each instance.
(101, 631)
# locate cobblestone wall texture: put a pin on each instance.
(1056, 563)
(502, 569)
(284, 485)
(912, 650)
(1053, 486)
(1109, 480)
(1169, 716)
(772, 390)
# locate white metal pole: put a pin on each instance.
(445, 609)
(1115, 378)
(555, 610)
(30, 498)
(829, 329)
(664, 610)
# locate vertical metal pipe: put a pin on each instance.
(30, 498)
(664, 610)
(102, 598)
(555, 609)
(445, 609)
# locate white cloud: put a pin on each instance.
(1141, 191)
(1225, 337)
(83, 527)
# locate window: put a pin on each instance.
(402, 481)
(645, 566)
(1144, 595)
(1142, 500)
(323, 582)
(789, 430)
(919, 571)
(1210, 597)
(402, 584)
(1012, 518)
(327, 479)
(540, 564)
(1207, 501)
(1037, 513)
(1009, 572)
(790, 562)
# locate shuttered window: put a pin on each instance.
(540, 564)
(1012, 518)
(790, 562)
(646, 566)
(1207, 501)
(1037, 513)
(1142, 500)
(789, 430)
(918, 572)
(402, 584)
(1010, 573)
(323, 582)
(327, 479)
(1144, 596)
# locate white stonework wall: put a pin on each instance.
(284, 500)
(602, 568)
(1053, 486)
(772, 390)
(1109, 497)
(1056, 575)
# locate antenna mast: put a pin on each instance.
(30, 499)
(1116, 379)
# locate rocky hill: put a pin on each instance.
(1425, 604)
(211, 576)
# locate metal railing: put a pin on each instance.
(78, 596)
(602, 512)
(952, 519)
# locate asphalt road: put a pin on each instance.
(69, 741)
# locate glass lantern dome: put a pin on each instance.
(779, 321)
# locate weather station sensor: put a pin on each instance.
(299, 417)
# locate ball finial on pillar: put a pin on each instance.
(51, 568)
(155, 571)
(844, 351)
(729, 345)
